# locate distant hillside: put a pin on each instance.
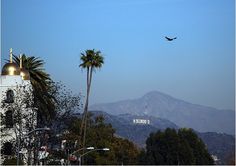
(124, 125)
(221, 145)
(182, 113)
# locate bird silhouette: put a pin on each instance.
(170, 39)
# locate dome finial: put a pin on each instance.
(10, 55)
(11, 68)
(23, 72)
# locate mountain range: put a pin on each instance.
(218, 144)
(181, 113)
(123, 124)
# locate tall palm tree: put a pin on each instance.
(91, 60)
(40, 81)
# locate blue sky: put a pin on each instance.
(197, 67)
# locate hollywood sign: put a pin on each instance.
(141, 121)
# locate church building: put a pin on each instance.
(12, 76)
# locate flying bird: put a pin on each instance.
(170, 39)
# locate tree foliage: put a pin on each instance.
(24, 117)
(101, 135)
(198, 147)
(52, 99)
(66, 105)
(41, 83)
(173, 147)
(91, 60)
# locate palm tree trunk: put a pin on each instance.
(86, 107)
(83, 116)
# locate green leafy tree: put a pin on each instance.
(91, 60)
(41, 83)
(125, 152)
(175, 148)
(35, 66)
(67, 105)
(197, 145)
(101, 135)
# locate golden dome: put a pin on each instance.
(10, 69)
(24, 74)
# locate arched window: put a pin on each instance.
(9, 119)
(7, 148)
(9, 96)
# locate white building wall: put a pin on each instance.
(8, 82)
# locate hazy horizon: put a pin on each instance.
(198, 67)
(163, 93)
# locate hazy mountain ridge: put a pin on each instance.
(219, 144)
(137, 133)
(182, 113)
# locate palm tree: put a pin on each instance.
(34, 66)
(40, 81)
(91, 60)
